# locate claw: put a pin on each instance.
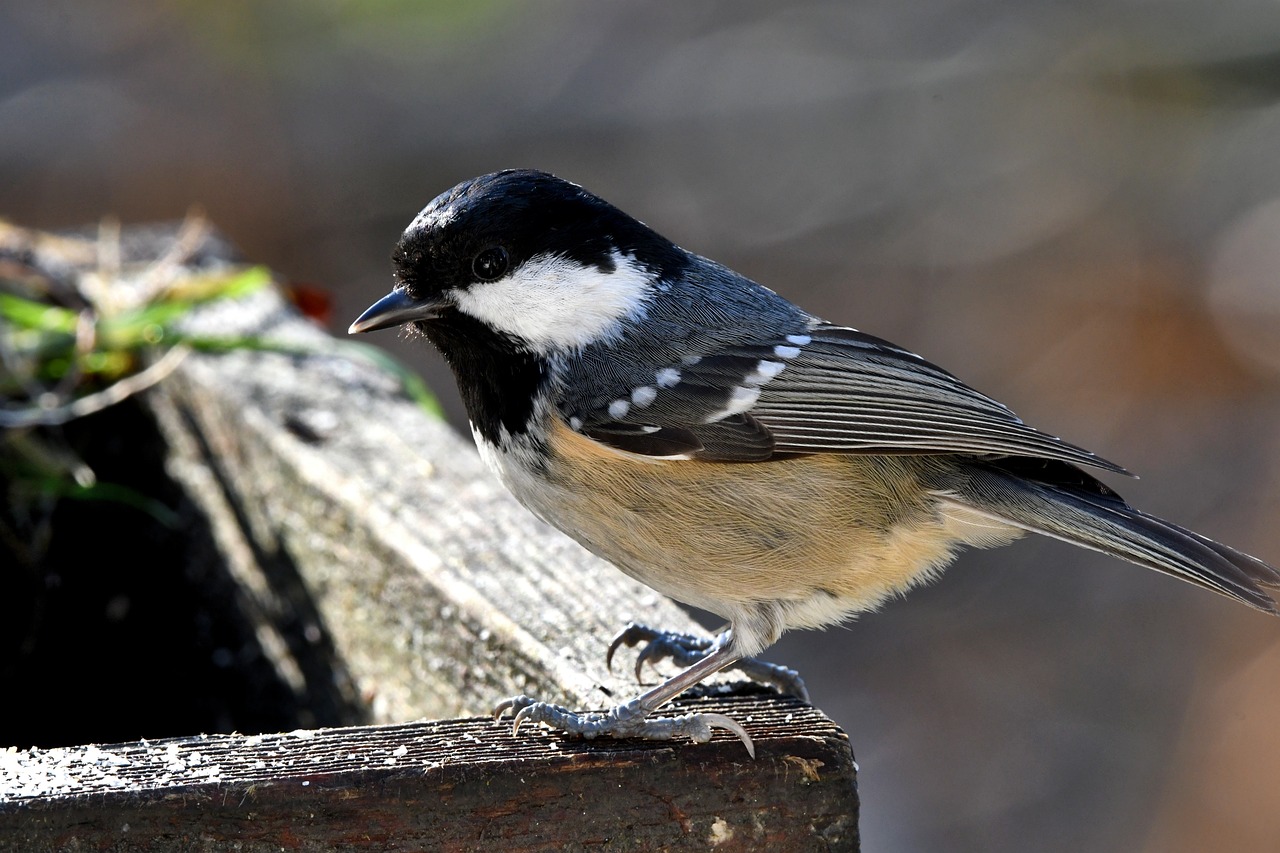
(619, 639)
(510, 704)
(683, 649)
(730, 724)
(629, 636)
(650, 654)
(521, 717)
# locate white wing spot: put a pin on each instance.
(575, 423)
(765, 371)
(618, 409)
(691, 360)
(667, 377)
(742, 398)
(786, 352)
(643, 395)
(799, 340)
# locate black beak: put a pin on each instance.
(395, 309)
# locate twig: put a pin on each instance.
(159, 275)
(96, 402)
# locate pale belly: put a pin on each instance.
(822, 536)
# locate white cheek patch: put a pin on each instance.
(554, 303)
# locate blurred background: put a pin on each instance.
(1073, 206)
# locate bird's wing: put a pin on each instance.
(829, 390)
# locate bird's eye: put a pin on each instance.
(490, 264)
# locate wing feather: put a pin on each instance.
(830, 390)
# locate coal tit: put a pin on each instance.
(726, 447)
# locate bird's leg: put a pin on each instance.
(632, 719)
(686, 649)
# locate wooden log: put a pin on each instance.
(448, 785)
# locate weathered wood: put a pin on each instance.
(451, 785)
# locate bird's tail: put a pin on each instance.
(1060, 500)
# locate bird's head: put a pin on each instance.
(540, 262)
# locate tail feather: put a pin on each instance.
(1092, 516)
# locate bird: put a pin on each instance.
(726, 447)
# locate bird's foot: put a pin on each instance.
(688, 649)
(630, 720)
